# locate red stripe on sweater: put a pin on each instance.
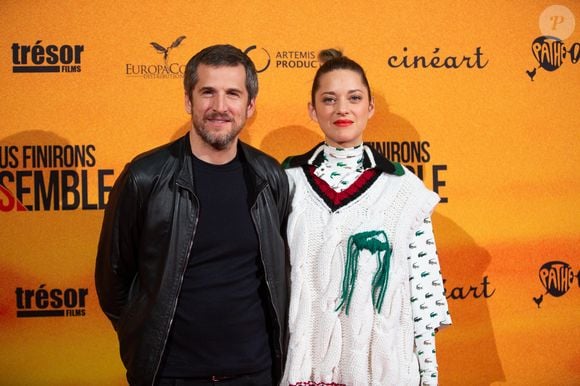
(338, 197)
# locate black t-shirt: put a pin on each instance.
(220, 325)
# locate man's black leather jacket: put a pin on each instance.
(147, 234)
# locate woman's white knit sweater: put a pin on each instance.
(331, 344)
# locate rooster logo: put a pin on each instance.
(165, 50)
(531, 73)
(538, 300)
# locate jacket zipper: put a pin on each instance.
(179, 289)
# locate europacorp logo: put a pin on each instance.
(550, 50)
(168, 69)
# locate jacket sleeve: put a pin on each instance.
(116, 263)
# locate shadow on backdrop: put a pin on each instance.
(289, 140)
(19, 140)
(467, 349)
(38, 239)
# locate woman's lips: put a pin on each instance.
(342, 122)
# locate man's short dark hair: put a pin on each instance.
(217, 56)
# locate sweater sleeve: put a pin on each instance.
(428, 302)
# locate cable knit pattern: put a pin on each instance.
(328, 347)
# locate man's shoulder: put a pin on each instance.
(257, 154)
(159, 163)
(156, 158)
(265, 167)
(258, 159)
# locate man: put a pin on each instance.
(191, 266)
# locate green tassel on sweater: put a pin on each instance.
(376, 242)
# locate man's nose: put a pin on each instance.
(219, 103)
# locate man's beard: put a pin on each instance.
(217, 141)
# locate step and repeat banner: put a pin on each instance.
(480, 99)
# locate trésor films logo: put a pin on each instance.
(40, 57)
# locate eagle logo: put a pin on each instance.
(165, 50)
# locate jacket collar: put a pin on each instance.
(372, 160)
(182, 148)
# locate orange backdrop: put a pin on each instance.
(477, 98)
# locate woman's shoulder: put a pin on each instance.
(300, 160)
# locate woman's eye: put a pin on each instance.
(356, 98)
(328, 100)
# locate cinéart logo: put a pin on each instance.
(166, 70)
(39, 57)
(50, 302)
(481, 290)
(438, 59)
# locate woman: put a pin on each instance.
(367, 293)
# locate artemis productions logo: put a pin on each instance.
(557, 23)
(50, 302)
(284, 59)
(167, 70)
(557, 277)
(262, 62)
(39, 57)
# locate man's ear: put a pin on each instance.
(312, 112)
(187, 103)
(251, 108)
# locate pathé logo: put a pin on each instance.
(549, 52)
(557, 277)
(556, 24)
